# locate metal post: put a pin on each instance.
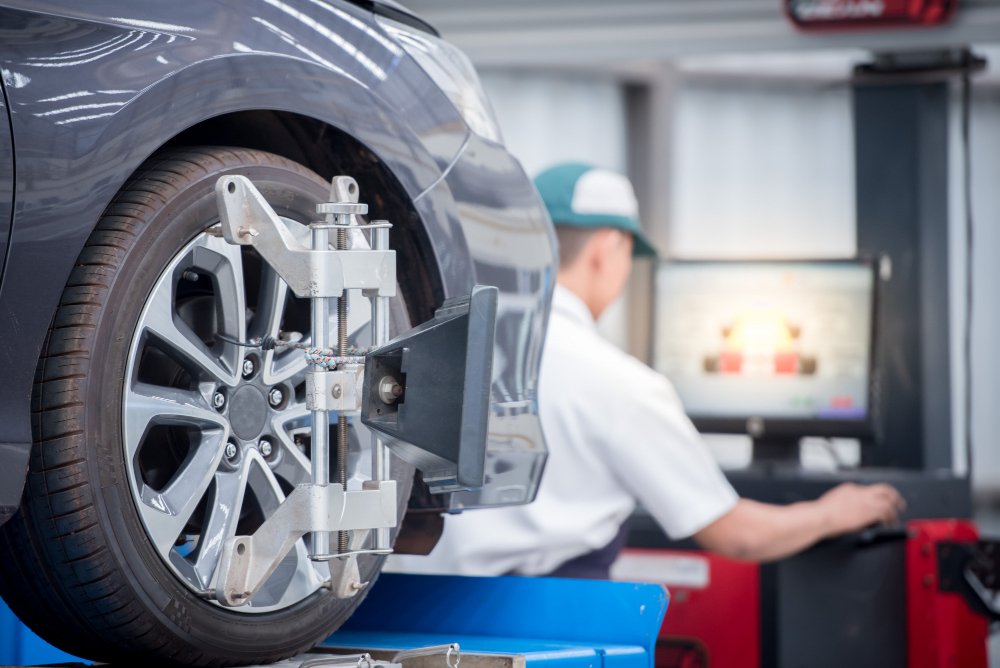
(901, 149)
(380, 335)
(343, 537)
(320, 449)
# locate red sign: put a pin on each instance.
(831, 14)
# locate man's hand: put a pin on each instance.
(849, 507)
(763, 532)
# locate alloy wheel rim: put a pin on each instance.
(190, 496)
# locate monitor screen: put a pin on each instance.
(783, 347)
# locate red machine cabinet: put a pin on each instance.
(714, 617)
(714, 614)
(942, 630)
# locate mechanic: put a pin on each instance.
(618, 435)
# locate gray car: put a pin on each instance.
(122, 466)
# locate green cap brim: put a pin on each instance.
(641, 246)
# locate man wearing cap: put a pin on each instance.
(617, 433)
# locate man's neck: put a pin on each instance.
(578, 287)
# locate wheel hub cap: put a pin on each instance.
(248, 411)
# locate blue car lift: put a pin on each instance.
(504, 622)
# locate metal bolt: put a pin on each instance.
(219, 400)
(389, 390)
(248, 367)
(265, 447)
(337, 391)
(230, 451)
(275, 396)
(190, 276)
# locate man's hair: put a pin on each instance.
(571, 242)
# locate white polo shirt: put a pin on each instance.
(617, 434)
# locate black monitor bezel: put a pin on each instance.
(766, 427)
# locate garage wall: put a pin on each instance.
(985, 142)
(763, 172)
(550, 118)
(553, 118)
(767, 171)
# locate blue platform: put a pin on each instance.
(19, 646)
(555, 622)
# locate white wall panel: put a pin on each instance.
(763, 173)
(547, 119)
(985, 127)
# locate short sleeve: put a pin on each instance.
(658, 454)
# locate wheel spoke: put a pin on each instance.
(264, 486)
(223, 515)
(278, 367)
(177, 339)
(168, 511)
(285, 367)
(270, 304)
(148, 405)
(293, 466)
(296, 576)
(224, 263)
(304, 577)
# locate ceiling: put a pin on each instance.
(636, 37)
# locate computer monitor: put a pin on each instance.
(773, 349)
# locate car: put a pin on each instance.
(123, 470)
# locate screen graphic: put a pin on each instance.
(784, 340)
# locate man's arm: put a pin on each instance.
(756, 531)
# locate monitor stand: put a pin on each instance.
(774, 453)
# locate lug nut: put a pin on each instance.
(219, 400)
(265, 448)
(275, 397)
(248, 367)
(231, 451)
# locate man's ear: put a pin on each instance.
(602, 247)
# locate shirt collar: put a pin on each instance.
(567, 304)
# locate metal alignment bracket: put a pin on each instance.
(248, 220)
(318, 508)
(248, 561)
(339, 390)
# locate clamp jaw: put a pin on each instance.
(248, 220)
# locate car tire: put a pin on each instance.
(85, 563)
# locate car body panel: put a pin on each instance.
(512, 243)
(93, 94)
(11, 476)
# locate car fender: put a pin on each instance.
(402, 117)
(61, 192)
